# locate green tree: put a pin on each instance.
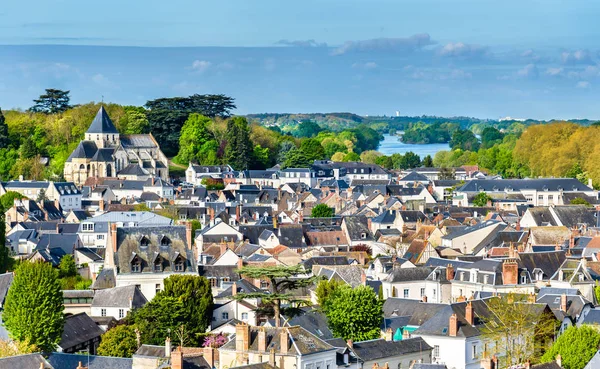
(428, 161)
(239, 147)
(135, 120)
(194, 134)
(576, 346)
(119, 341)
(67, 267)
(465, 140)
(28, 149)
(52, 102)
(481, 199)
(410, 160)
(4, 140)
(597, 293)
(351, 156)
(8, 199)
(159, 318)
(326, 291)
(490, 136)
(370, 156)
(284, 148)
(580, 201)
(385, 162)
(307, 129)
(260, 157)
(447, 173)
(312, 149)
(282, 281)
(355, 314)
(296, 158)
(41, 196)
(322, 211)
(33, 311)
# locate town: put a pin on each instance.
(337, 264)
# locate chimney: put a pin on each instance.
(559, 360)
(518, 227)
(272, 357)
(113, 236)
(152, 181)
(469, 313)
(240, 263)
(563, 302)
(449, 272)
(238, 212)
(405, 334)
(262, 339)
(222, 248)
(209, 355)
(424, 299)
(101, 203)
(527, 365)
(79, 366)
(461, 298)
(370, 224)
(284, 341)
(389, 335)
(363, 278)
(234, 290)
(168, 347)
(510, 272)
(453, 325)
(177, 359)
(350, 343)
(211, 213)
(242, 337)
(188, 235)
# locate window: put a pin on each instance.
(244, 316)
(486, 279)
(422, 292)
(213, 282)
(158, 265)
(87, 227)
(540, 197)
(406, 293)
(102, 312)
(474, 351)
(157, 288)
(523, 279)
(100, 237)
(436, 351)
(178, 264)
(121, 313)
(136, 265)
(225, 316)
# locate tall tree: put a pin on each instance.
(355, 313)
(428, 161)
(282, 281)
(307, 129)
(326, 291)
(52, 102)
(4, 140)
(576, 346)
(33, 311)
(465, 140)
(194, 136)
(239, 146)
(119, 341)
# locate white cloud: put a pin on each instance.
(367, 65)
(400, 44)
(459, 49)
(101, 80)
(529, 71)
(554, 71)
(583, 84)
(576, 57)
(201, 65)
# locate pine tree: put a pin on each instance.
(33, 311)
(239, 146)
(3, 132)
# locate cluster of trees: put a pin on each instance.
(422, 133)
(396, 161)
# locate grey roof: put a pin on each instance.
(573, 215)
(102, 123)
(79, 328)
(429, 366)
(410, 274)
(104, 154)
(5, 282)
(85, 150)
(25, 362)
(380, 349)
(141, 218)
(106, 279)
(415, 177)
(325, 260)
(119, 297)
(66, 242)
(444, 262)
(357, 227)
(541, 184)
(461, 231)
(133, 170)
(219, 271)
(241, 286)
(139, 140)
(592, 364)
(313, 321)
(61, 360)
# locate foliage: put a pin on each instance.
(576, 346)
(428, 161)
(326, 291)
(322, 211)
(14, 348)
(490, 136)
(370, 156)
(239, 147)
(421, 133)
(4, 139)
(134, 121)
(355, 314)
(597, 293)
(282, 281)
(464, 139)
(519, 329)
(158, 318)
(8, 199)
(481, 199)
(296, 158)
(33, 311)
(67, 267)
(580, 201)
(76, 282)
(119, 341)
(212, 184)
(52, 102)
(214, 340)
(141, 207)
(197, 143)
(307, 129)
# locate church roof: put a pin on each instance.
(85, 150)
(102, 123)
(104, 154)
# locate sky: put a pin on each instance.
(487, 59)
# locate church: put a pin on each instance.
(105, 153)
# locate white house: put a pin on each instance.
(117, 302)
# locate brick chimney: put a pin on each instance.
(79, 366)
(469, 313)
(510, 272)
(389, 335)
(284, 341)
(222, 248)
(424, 299)
(242, 337)
(350, 343)
(234, 289)
(449, 272)
(369, 224)
(275, 222)
(238, 212)
(363, 278)
(453, 325)
(188, 235)
(101, 203)
(262, 339)
(240, 263)
(209, 355)
(177, 359)
(488, 362)
(113, 236)
(563, 303)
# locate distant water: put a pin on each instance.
(392, 145)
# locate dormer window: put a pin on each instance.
(158, 265)
(523, 278)
(144, 241)
(165, 241)
(179, 265)
(136, 265)
(363, 235)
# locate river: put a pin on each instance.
(392, 145)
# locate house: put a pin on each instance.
(105, 153)
(80, 334)
(574, 273)
(286, 347)
(472, 239)
(434, 174)
(61, 360)
(219, 232)
(384, 353)
(195, 173)
(430, 284)
(145, 256)
(78, 301)
(117, 302)
(566, 215)
(357, 230)
(64, 194)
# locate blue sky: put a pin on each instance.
(479, 58)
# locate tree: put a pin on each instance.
(355, 314)
(576, 346)
(296, 158)
(239, 147)
(465, 140)
(282, 280)
(312, 149)
(447, 173)
(428, 161)
(8, 199)
(260, 157)
(41, 196)
(135, 121)
(490, 136)
(410, 160)
(28, 149)
(194, 134)
(370, 156)
(518, 329)
(4, 140)
(351, 156)
(307, 129)
(14, 348)
(322, 211)
(326, 290)
(482, 199)
(158, 318)
(580, 201)
(33, 311)
(120, 341)
(284, 148)
(67, 267)
(52, 102)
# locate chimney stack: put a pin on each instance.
(188, 235)
(262, 339)
(453, 326)
(177, 359)
(350, 343)
(510, 272)
(222, 248)
(469, 313)
(449, 272)
(101, 205)
(240, 263)
(234, 290)
(272, 357)
(563, 302)
(389, 335)
(242, 337)
(168, 347)
(113, 236)
(284, 341)
(209, 355)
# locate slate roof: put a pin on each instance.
(380, 349)
(119, 297)
(417, 311)
(219, 271)
(79, 328)
(5, 282)
(61, 360)
(573, 215)
(357, 226)
(429, 366)
(548, 262)
(409, 274)
(455, 232)
(242, 286)
(133, 170)
(291, 235)
(102, 123)
(414, 177)
(85, 150)
(25, 362)
(106, 279)
(138, 140)
(313, 321)
(252, 232)
(139, 217)
(104, 154)
(325, 260)
(538, 184)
